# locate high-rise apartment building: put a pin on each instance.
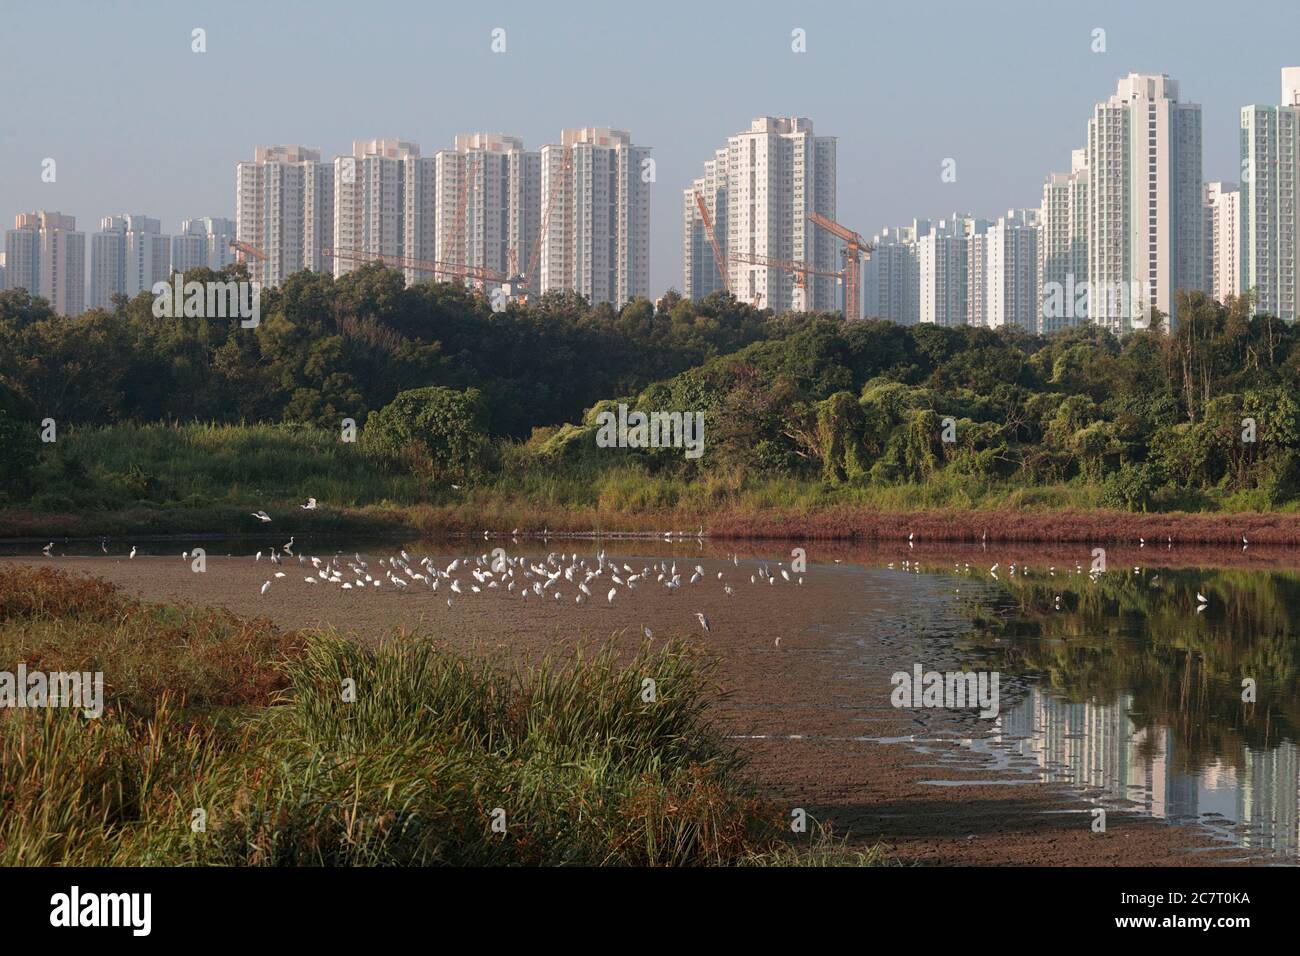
(1011, 271)
(384, 196)
(1270, 181)
(943, 257)
(127, 256)
(488, 203)
(1222, 223)
(1063, 245)
(45, 255)
(776, 173)
(701, 272)
(203, 243)
(596, 186)
(891, 276)
(1144, 201)
(284, 208)
(370, 199)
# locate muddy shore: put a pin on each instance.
(806, 670)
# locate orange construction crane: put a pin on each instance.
(478, 273)
(245, 251)
(855, 247)
(521, 285)
(797, 267)
(718, 260)
(459, 247)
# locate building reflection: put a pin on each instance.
(1097, 747)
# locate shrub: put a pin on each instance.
(437, 433)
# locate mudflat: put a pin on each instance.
(805, 669)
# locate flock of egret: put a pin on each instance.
(555, 577)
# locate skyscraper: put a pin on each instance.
(701, 273)
(596, 182)
(45, 255)
(370, 200)
(127, 256)
(1144, 202)
(280, 198)
(495, 186)
(891, 276)
(1063, 245)
(776, 173)
(943, 257)
(1011, 263)
(203, 243)
(1222, 221)
(1270, 178)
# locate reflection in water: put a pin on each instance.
(1141, 699)
(1100, 749)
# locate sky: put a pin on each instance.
(139, 123)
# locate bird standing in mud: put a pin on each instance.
(704, 621)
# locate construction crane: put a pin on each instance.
(855, 247)
(797, 267)
(459, 246)
(244, 251)
(719, 261)
(478, 273)
(521, 284)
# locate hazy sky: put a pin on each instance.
(138, 123)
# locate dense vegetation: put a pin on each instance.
(799, 410)
(251, 726)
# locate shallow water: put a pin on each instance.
(1117, 688)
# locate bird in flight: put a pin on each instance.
(261, 516)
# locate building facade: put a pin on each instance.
(279, 199)
(203, 243)
(46, 255)
(1270, 174)
(771, 178)
(1222, 223)
(1063, 245)
(595, 183)
(1144, 202)
(127, 256)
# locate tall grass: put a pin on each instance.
(325, 752)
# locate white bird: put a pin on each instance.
(279, 574)
(131, 556)
(266, 587)
(610, 595)
(648, 633)
(1202, 598)
(260, 516)
(310, 580)
(310, 505)
(47, 548)
(704, 621)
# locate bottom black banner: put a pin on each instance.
(334, 906)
